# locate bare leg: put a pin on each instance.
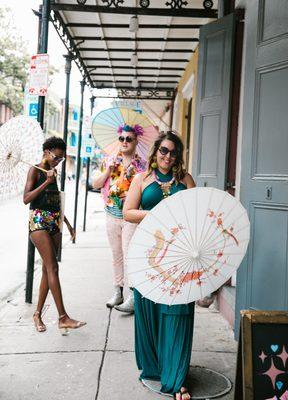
(45, 245)
(48, 248)
(44, 287)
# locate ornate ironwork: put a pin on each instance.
(67, 40)
(176, 4)
(156, 94)
(144, 3)
(153, 93)
(115, 3)
(208, 4)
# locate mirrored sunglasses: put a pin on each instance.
(56, 158)
(127, 139)
(164, 151)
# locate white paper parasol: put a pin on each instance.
(21, 140)
(188, 246)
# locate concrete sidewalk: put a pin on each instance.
(96, 361)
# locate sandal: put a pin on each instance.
(64, 327)
(39, 325)
(182, 391)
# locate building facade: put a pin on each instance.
(234, 123)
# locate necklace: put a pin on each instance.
(164, 186)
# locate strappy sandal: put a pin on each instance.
(64, 327)
(39, 325)
(182, 392)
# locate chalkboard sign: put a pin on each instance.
(262, 364)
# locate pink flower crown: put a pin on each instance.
(136, 129)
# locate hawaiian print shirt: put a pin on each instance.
(117, 185)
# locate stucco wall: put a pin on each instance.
(181, 127)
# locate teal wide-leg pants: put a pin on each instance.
(163, 342)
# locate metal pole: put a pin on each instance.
(68, 57)
(82, 83)
(86, 192)
(43, 30)
(92, 100)
(43, 49)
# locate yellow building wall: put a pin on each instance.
(190, 70)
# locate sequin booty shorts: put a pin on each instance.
(41, 220)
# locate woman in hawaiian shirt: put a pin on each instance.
(118, 173)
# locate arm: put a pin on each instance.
(131, 210)
(29, 193)
(189, 181)
(99, 182)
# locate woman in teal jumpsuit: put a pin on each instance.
(163, 334)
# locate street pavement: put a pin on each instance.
(97, 361)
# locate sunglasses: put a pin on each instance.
(164, 151)
(56, 158)
(127, 139)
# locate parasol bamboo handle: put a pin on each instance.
(10, 155)
(35, 166)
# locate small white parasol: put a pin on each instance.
(21, 140)
(188, 246)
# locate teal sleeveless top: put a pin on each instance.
(48, 199)
(151, 196)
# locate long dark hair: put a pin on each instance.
(178, 169)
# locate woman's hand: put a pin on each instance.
(72, 233)
(51, 174)
(70, 229)
(33, 175)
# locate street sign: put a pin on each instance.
(38, 74)
(133, 104)
(33, 110)
(30, 104)
(88, 142)
(88, 145)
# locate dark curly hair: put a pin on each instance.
(54, 142)
(178, 168)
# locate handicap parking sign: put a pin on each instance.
(33, 110)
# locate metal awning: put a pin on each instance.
(97, 34)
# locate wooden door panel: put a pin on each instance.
(262, 278)
(212, 118)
